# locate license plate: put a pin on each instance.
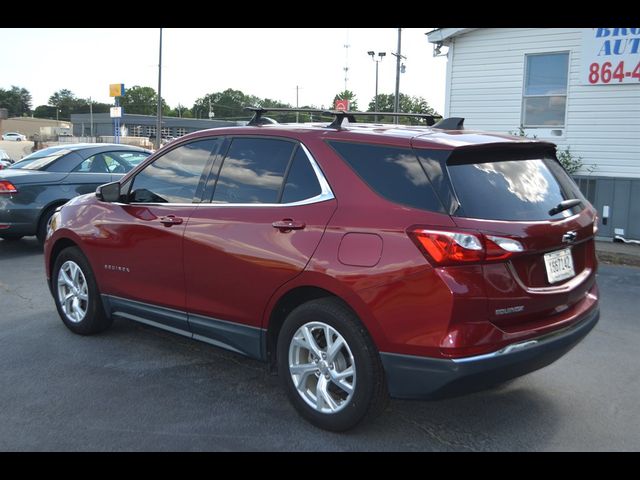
(559, 265)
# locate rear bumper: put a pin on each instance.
(422, 378)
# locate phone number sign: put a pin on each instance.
(610, 56)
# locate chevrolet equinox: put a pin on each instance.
(360, 261)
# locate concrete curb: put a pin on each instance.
(618, 258)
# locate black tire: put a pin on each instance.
(370, 395)
(11, 238)
(94, 320)
(41, 233)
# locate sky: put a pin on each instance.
(264, 62)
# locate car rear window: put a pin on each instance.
(500, 186)
(392, 172)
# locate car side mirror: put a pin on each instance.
(109, 192)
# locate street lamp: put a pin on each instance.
(373, 57)
(90, 116)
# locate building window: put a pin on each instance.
(180, 132)
(136, 131)
(166, 132)
(151, 131)
(545, 90)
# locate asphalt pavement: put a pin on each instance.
(134, 388)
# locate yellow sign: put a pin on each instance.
(116, 89)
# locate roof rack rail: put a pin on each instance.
(257, 118)
(351, 115)
(451, 123)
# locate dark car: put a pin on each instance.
(31, 189)
(357, 260)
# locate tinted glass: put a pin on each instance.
(302, 182)
(394, 173)
(131, 158)
(547, 74)
(253, 170)
(173, 177)
(94, 164)
(512, 189)
(40, 162)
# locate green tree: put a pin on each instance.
(408, 104)
(45, 111)
(142, 101)
(66, 102)
(17, 101)
(228, 104)
(346, 95)
(180, 111)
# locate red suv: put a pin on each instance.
(360, 261)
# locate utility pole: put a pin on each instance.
(346, 61)
(297, 113)
(396, 107)
(91, 115)
(159, 116)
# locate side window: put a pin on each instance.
(392, 172)
(93, 164)
(173, 177)
(302, 182)
(253, 170)
(122, 162)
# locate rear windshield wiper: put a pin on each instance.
(565, 205)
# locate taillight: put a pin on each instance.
(444, 247)
(6, 187)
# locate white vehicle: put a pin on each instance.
(14, 136)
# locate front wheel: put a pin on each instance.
(329, 366)
(76, 294)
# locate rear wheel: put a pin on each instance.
(329, 366)
(41, 234)
(76, 294)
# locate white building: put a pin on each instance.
(576, 87)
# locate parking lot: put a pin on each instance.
(136, 388)
(16, 150)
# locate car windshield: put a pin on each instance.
(39, 162)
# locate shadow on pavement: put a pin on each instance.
(25, 247)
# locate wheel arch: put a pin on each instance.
(50, 206)
(58, 246)
(310, 287)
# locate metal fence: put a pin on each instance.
(137, 141)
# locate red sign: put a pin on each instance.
(342, 105)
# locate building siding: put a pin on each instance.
(485, 84)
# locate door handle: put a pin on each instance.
(288, 224)
(170, 220)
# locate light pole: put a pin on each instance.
(159, 114)
(373, 57)
(91, 115)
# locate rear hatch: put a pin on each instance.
(511, 191)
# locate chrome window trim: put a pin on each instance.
(325, 192)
